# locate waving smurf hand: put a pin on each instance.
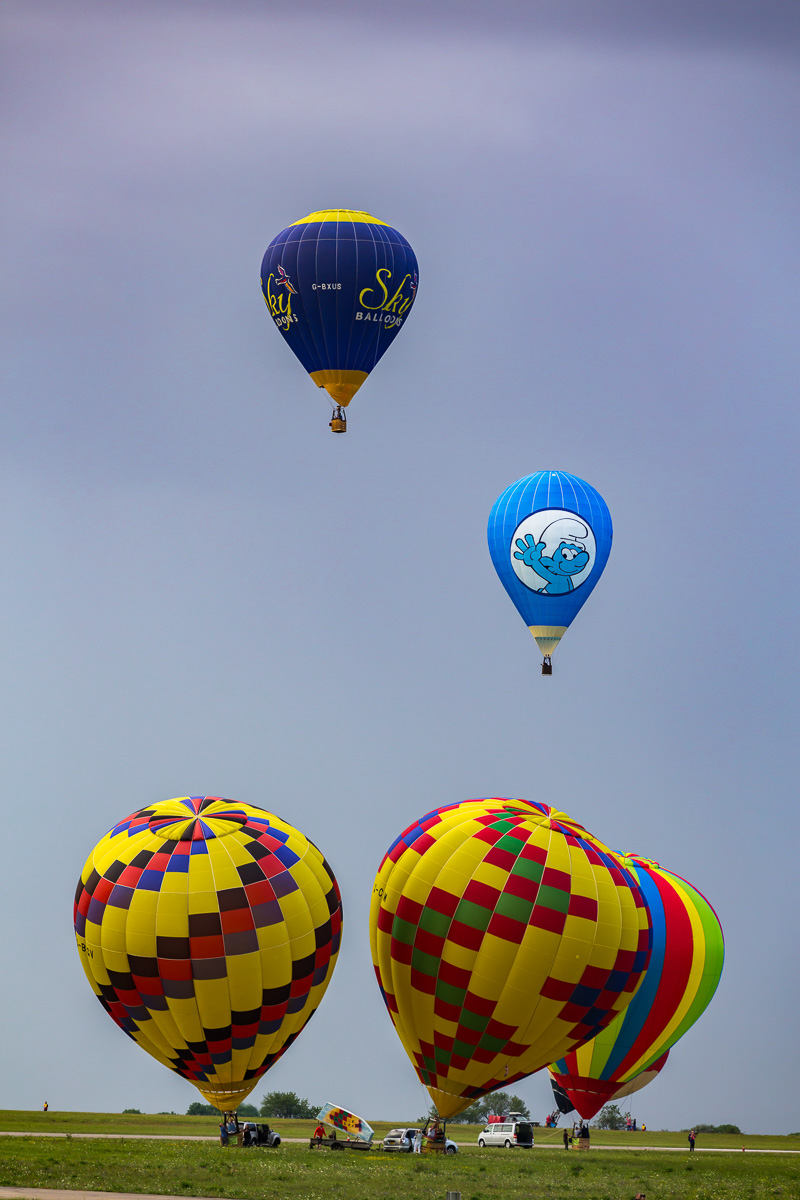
(531, 552)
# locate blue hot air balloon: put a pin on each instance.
(339, 285)
(549, 538)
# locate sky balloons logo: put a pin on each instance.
(209, 931)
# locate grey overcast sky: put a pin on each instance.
(203, 591)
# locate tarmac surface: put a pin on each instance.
(49, 1194)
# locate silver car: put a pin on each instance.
(509, 1134)
(403, 1140)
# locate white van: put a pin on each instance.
(509, 1133)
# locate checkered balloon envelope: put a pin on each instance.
(208, 931)
(500, 930)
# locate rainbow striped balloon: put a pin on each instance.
(682, 976)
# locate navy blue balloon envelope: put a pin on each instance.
(549, 538)
(339, 285)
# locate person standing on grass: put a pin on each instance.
(46, 1106)
(566, 1138)
(692, 1136)
(223, 1133)
(418, 1141)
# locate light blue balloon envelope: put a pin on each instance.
(549, 538)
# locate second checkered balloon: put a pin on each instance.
(501, 929)
(209, 931)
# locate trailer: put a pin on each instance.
(334, 1143)
(347, 1130)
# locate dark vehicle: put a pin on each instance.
(259, 1135)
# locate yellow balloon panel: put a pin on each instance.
(500, 929)
(209, 931)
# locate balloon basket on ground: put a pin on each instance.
(434, 1138)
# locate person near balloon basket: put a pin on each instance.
(233, 1127)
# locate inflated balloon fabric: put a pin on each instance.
(607, 1091)
(681, 978)
(339, 285)
(209, 931)
(500, 929)
(549, 539)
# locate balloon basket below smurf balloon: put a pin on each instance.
(547, 638)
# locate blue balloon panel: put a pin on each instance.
(549, 538)
(339, 285)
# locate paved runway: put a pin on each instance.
(189, 1137)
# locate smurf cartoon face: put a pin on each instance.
(552, 551)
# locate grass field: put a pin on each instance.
(12, 1120)
(206, 1169)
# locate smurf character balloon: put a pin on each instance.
(549, 538)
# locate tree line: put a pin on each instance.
(274, 1104)
(290, 1105)
(612, 1117)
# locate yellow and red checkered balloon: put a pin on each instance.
(500, 930)
(209, 931)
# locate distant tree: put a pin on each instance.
(208, 1110)
(287, 1104)
(132, 1110)
(716, 1129)
(470, 1116)
(611, 1118)
(500, 1103)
